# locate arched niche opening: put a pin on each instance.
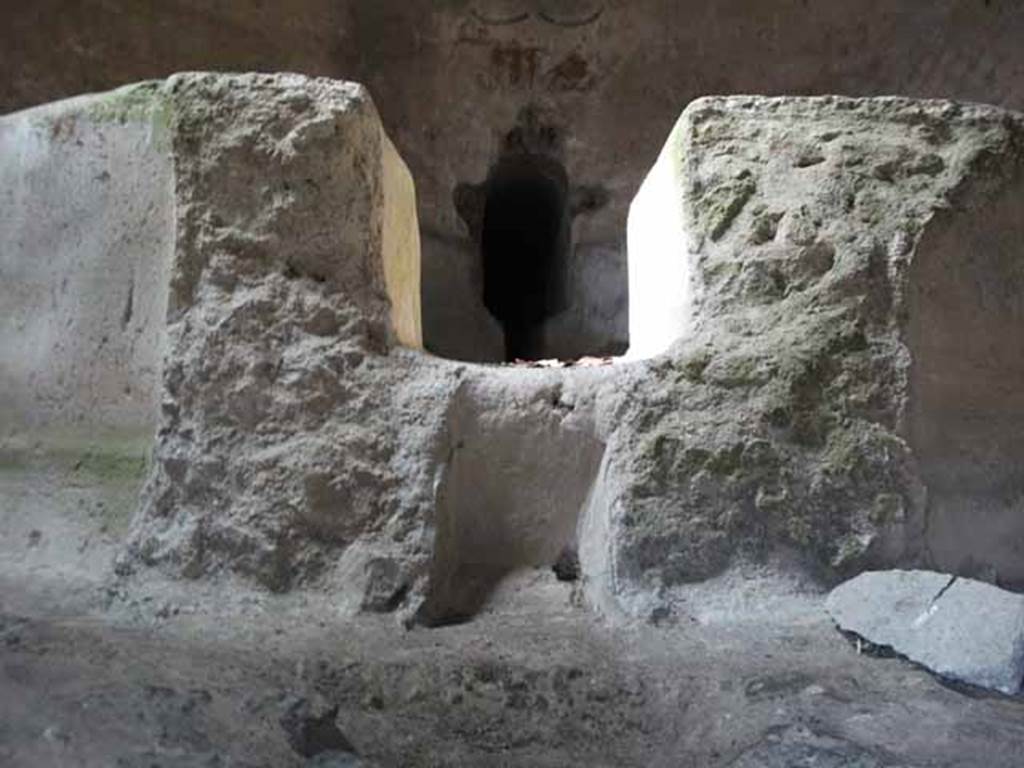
(536, 271)
(525, 241)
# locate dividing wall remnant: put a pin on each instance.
(841, 274)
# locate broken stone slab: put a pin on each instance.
(961, 629)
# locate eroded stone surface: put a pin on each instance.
(279, 441)
(959, 628)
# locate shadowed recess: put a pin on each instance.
(524, 246)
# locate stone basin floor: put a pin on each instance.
(101, 670)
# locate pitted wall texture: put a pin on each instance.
(810, 402)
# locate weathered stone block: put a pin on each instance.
(827, 278)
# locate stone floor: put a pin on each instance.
(101, 670)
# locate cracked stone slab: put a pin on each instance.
(961, 629)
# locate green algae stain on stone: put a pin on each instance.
(112, 464)
(132, 102)
(721, 204)
(118, 474)
(143, 102)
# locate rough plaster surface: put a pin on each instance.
(959, 628)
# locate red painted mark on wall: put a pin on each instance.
(570, 74)
(514, 66)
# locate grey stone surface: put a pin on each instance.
(86, 238)
(959, 628)
(803, 238)
(274, 445)
(338, 760)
